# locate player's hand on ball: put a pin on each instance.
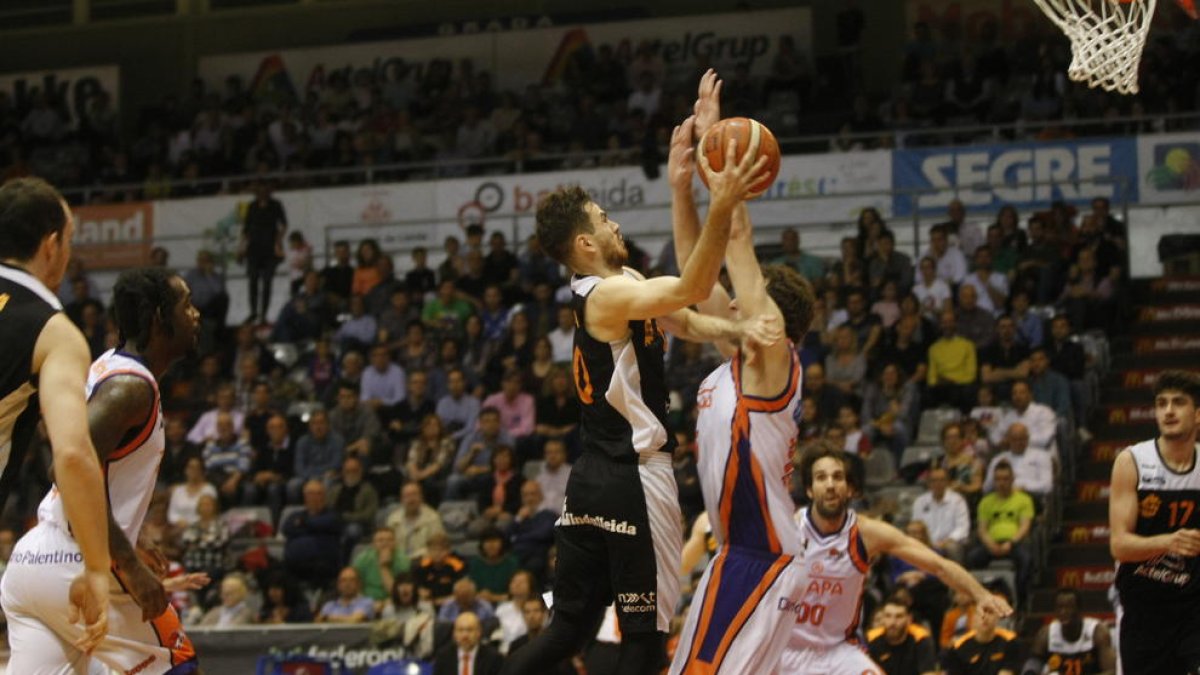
(735, 181)
(1185, 543)
(88, 595)
(707, 108)
(681, 160)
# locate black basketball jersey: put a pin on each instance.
(1167, 501)
(25, 307)
(621, 385)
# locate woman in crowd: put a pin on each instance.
(406, 620)
(965, 469)
(205, 542)
(845, 367)
(429, 454)
(282, 603)
(366, 274)
(185, 497)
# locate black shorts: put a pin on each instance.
(1160, 639)
(619, 540)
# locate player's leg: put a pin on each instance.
(1147, 642)
(38, 650)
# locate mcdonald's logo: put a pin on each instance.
(1071, 578)
(1105, 452)
(1091, 491)
(1080, 535)
(1118, 416)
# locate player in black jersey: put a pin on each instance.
(1155, 541)
(620, 534)
(43, 372)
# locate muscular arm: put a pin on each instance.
(1125, 545)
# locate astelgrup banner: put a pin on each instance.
(1025, 175)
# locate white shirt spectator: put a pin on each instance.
(181, 510)
(1039, 419)
(554, 487)
(512, 624)
(562, 344)
(947, 519)
(997, 281)
(205, 428)
(932, 297)
(952, 266)
(1033, 470)
(390, 386)
(970, 237)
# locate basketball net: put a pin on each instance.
(1107, 37)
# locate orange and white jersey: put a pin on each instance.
(744, 458)
(834, 569)
(131, 469)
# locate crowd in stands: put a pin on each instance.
(394, 447)
(606, 109)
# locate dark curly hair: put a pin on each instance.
(794, 296)
(852, 465)
(560, 217)
(139, 296)
(30, 210)
(1179, 380)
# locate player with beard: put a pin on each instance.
(836, 547)
(1155, 541)
(157, 325)
(620, 534)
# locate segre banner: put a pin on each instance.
(74, 86)
(1169, 168)
(517, 57)
(114, 236)
(1025, 175)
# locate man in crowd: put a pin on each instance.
(355, 421)
(951, 374)
(808, 265)
(415, 522)
(437, 570)
(318, 454)
(350, 606)
(986, 650)
(379, 564)
(898, 645)
(944, 513)
(974, 322)
(313, 539)
(1005, 360)
(1039, 420)
(473, 462)
(467, 655)
(1033, 468)
(355, 501)
(532, 530)
(552, 479)
(465, 599)
(458, 409)
(1004, 520)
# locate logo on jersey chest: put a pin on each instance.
(829, 587)
(1149, 506)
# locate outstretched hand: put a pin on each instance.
(734, 182)
(995, 606)
(707, 108)
(681, 161)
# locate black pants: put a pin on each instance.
(259, 276)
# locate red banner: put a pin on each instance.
(1174, 343)
(114, 236)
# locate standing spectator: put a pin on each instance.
(380, 565)
(951, 374)
(553, 476)
(1004, 518)
(338, 275)
(429, 455)
(944, 513)
(458, 409)
(299, 259)
(185, 497)
(233, 610)
(312, 539)
(350, 605)
(208, 290)
(986, 650)
(355, 422)
(355, 501)
(467, 656)
(931, 290)
(261, 246)
(899, 645)
(205, 542)
(808, 265)
(1005, 360)
(532, 530)
(318, 455)
(274, 462)
(415, 522)
(1032, 468)
(437, 571)
(205, 428)
(473, 461)
(974, 323)
(493, 567)
(227, 459)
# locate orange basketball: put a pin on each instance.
(744, 131)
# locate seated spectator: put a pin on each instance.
(282, 603)
(1005, 360)
(458, 409)
(887, 307)
(973, 438)
(890, 405)
(438, 570)
(379, 297)
(951, 264)
(557, 410)
(532, 530)
(991, 287)
(312, 547)
(227, 459)
(808, 265)
(415, 522)
(380, 564)
(1003, 521)
(272, 468)
(986, 412)
(406, 621)
(516, 408)
(472, 462)
(855, 441)
(984, 650)
(366, 273)
(446, 312)
(944, 512)
(319, 454)
(1033, 468)
(553, 475)
(931, 290)
(492, 569)
(299, 258)
(355, 422)
(510, 613)
(901, 346)
(903, 647)
(1029, 325)
(562, 338)
(205, 428)
(811, 426)
(177, 450)
(828, 399)
(417, 351)
(428, 457)
(261, 408)
(1068, 358)
(350, 605)
(322, 367)
(467, 654)
(888, 264)
(963, 466)
(1040, 420)
(233, 610)
(395, 319)
(868, 331)
(384, 384)
(358, 332)
(951, 373)
(494, 314)
(355, 501)
(208, 290)
(419, 279)
(1049, 387)
(205, 543)
(307, 315)
(845, 367)
(974, 322)
(499, 494)
(406, 416)
(465, 599)
(185, 497)
(1088, 298)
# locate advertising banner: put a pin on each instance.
(1169, 168)
(1025, 175)
(516, 58)
(238, 650)
(74, 86)
(114, 236)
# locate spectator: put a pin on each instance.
(986, 413)
(208, 290)
(500, 265)
(272, 468)
(553, 475)
(465, 600)
(384, 383)
(380, 565)
(467, 655)
(260, 409)
(359, 331)
(185, 497)
(420, 280)
(1003, 521)
(338, 275)
(965, 236)
(493, 567)
(888, 264)
(355, 422)
(454, 263)
(828, 399)
(429, 455)
(478, 352)
(499, 494)
(845, 367)
(446, 312)
(205, 428)
(849, 271)
(1029, 325)
(458, 409)
(902, 647)
(299, 258)
(318, 454)
(1088, 296)
(515, 350)
(951, 375)
(473, 461)
(532, 529)
(959, 618)
(887, 307)
(1037, 418)
(986, 650)
(350, 606)
(227, 459)
(944, 513)
(1068, 358)
(951, 264)
(1004, 256)
(407, 415)
(415, 522)
(406, 620)
(866, 326)
(557, 409)
(437, 571)
(177, 451)
(233, 610)
(1049, 388)
(396, 318)
(355, 501)
(890, 406)
(1033, 468)
(1005, 360)
(902, 346)
(379, 298)
(417, 352)
(809, 266)
(494, 314)
(261, 246)
(312, 546)
(974, 323)
(521, 587)
(366, 271)
(964, 467)
(282, 603)
(991, 287)
(205, 542)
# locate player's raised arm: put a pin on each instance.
(881, 537)
(62, 360)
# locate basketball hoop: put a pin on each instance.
(1107, 37)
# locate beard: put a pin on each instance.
(834, 512)
(616, 255)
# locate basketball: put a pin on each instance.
(744, 131)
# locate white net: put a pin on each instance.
(1107, 37)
